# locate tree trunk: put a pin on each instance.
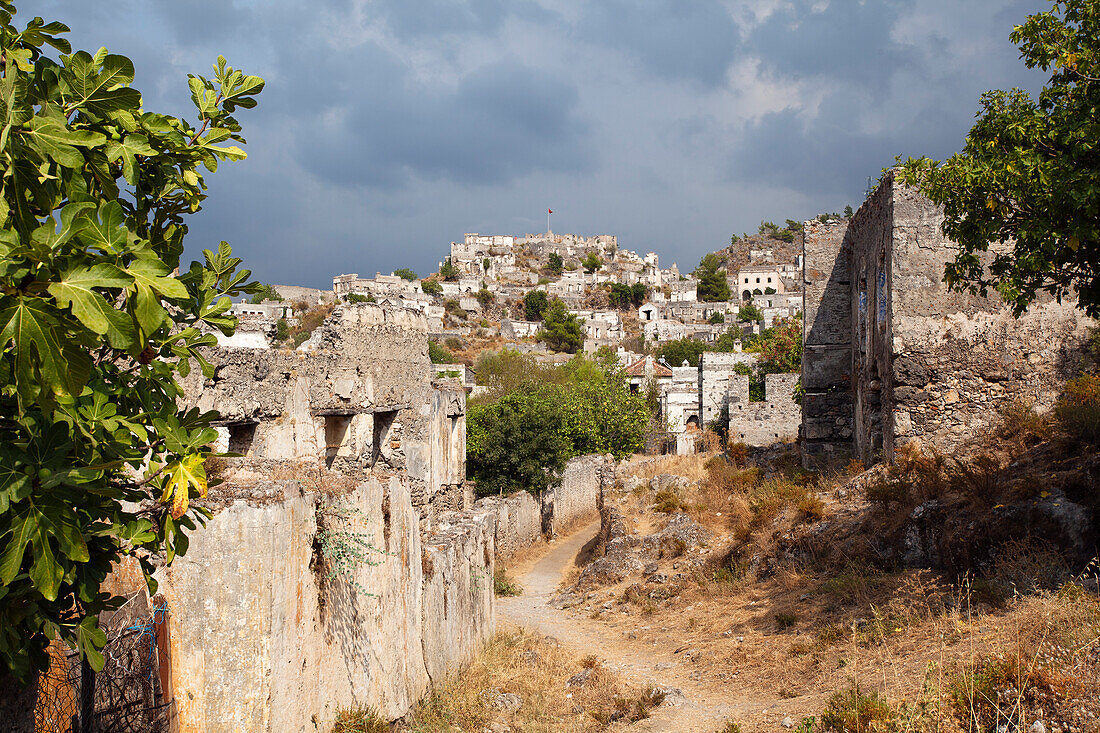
(87, 697)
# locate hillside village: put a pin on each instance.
(490, 290)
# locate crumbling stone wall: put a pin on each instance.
(262, 640)
(892, 356)
(774, 419)
(521, 519)
(361, 399)
(715, 372)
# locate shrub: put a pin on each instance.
(535, 304)
(811, 507)
(359, 720)
(359, 298)
(503, 585)
(439, 354)
(282, 330)
(669, 501)
(431, 286)
(484, 298)
(453, 307)
(853, 711)
(406, 274)
(1078, 409)
(454, 343)
(785, 620)
(266, 292)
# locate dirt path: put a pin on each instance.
(704, 708)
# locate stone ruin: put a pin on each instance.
(892, 356)
(349, 436)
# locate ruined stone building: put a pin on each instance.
(358, 397)
(892, 356)
(349, 448)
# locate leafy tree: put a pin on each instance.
(360, 298)
(1026, 185)
(485, 298)
(713, 286)
(620, 296)
(793, 225)
(769, 291)
(588, 408)
(729, 340)
(266, 292)
(535, 304)
(638, 293)
(97, 461)
(406, 274)
(716, 317)
(555, 264)
(591, 262)
(757, 392)
(516, 443)
(448, 271)
(734, 239)
(848, 211)
(750, 313)
(431, 286)
(675, 353)
(561, 330)
(780, 347)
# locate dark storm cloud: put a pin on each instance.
(499, 122)
(848, 41)
(670, 38)
(389, 127)
(880, 97)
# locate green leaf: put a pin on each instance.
(91, 308)
(89, 640)
(44, 355)
(54, 139)
(101, 89)
(106, 233)
(127, 149)
(23, 529)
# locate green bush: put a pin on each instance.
(536, 417)
(431, 286)
(535, 304)
(853, 711)
(406, 274)
(266, 292)
(358, 298)
(439, 354)
(716, 317)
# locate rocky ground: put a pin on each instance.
(945, 594)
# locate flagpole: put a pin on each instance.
(548, 221)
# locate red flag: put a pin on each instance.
(549, 211)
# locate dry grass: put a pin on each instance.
(691, 467)
(537, 670)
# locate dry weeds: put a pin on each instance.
(558, 691)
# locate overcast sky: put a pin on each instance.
(389, 128)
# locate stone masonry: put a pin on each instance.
(892, 356)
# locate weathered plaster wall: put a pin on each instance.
(517, 521)
(575, 498)
(523, 519)
(715, 371)
(262, 640)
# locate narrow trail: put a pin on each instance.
(704, 709)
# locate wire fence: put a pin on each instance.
(128, 696)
